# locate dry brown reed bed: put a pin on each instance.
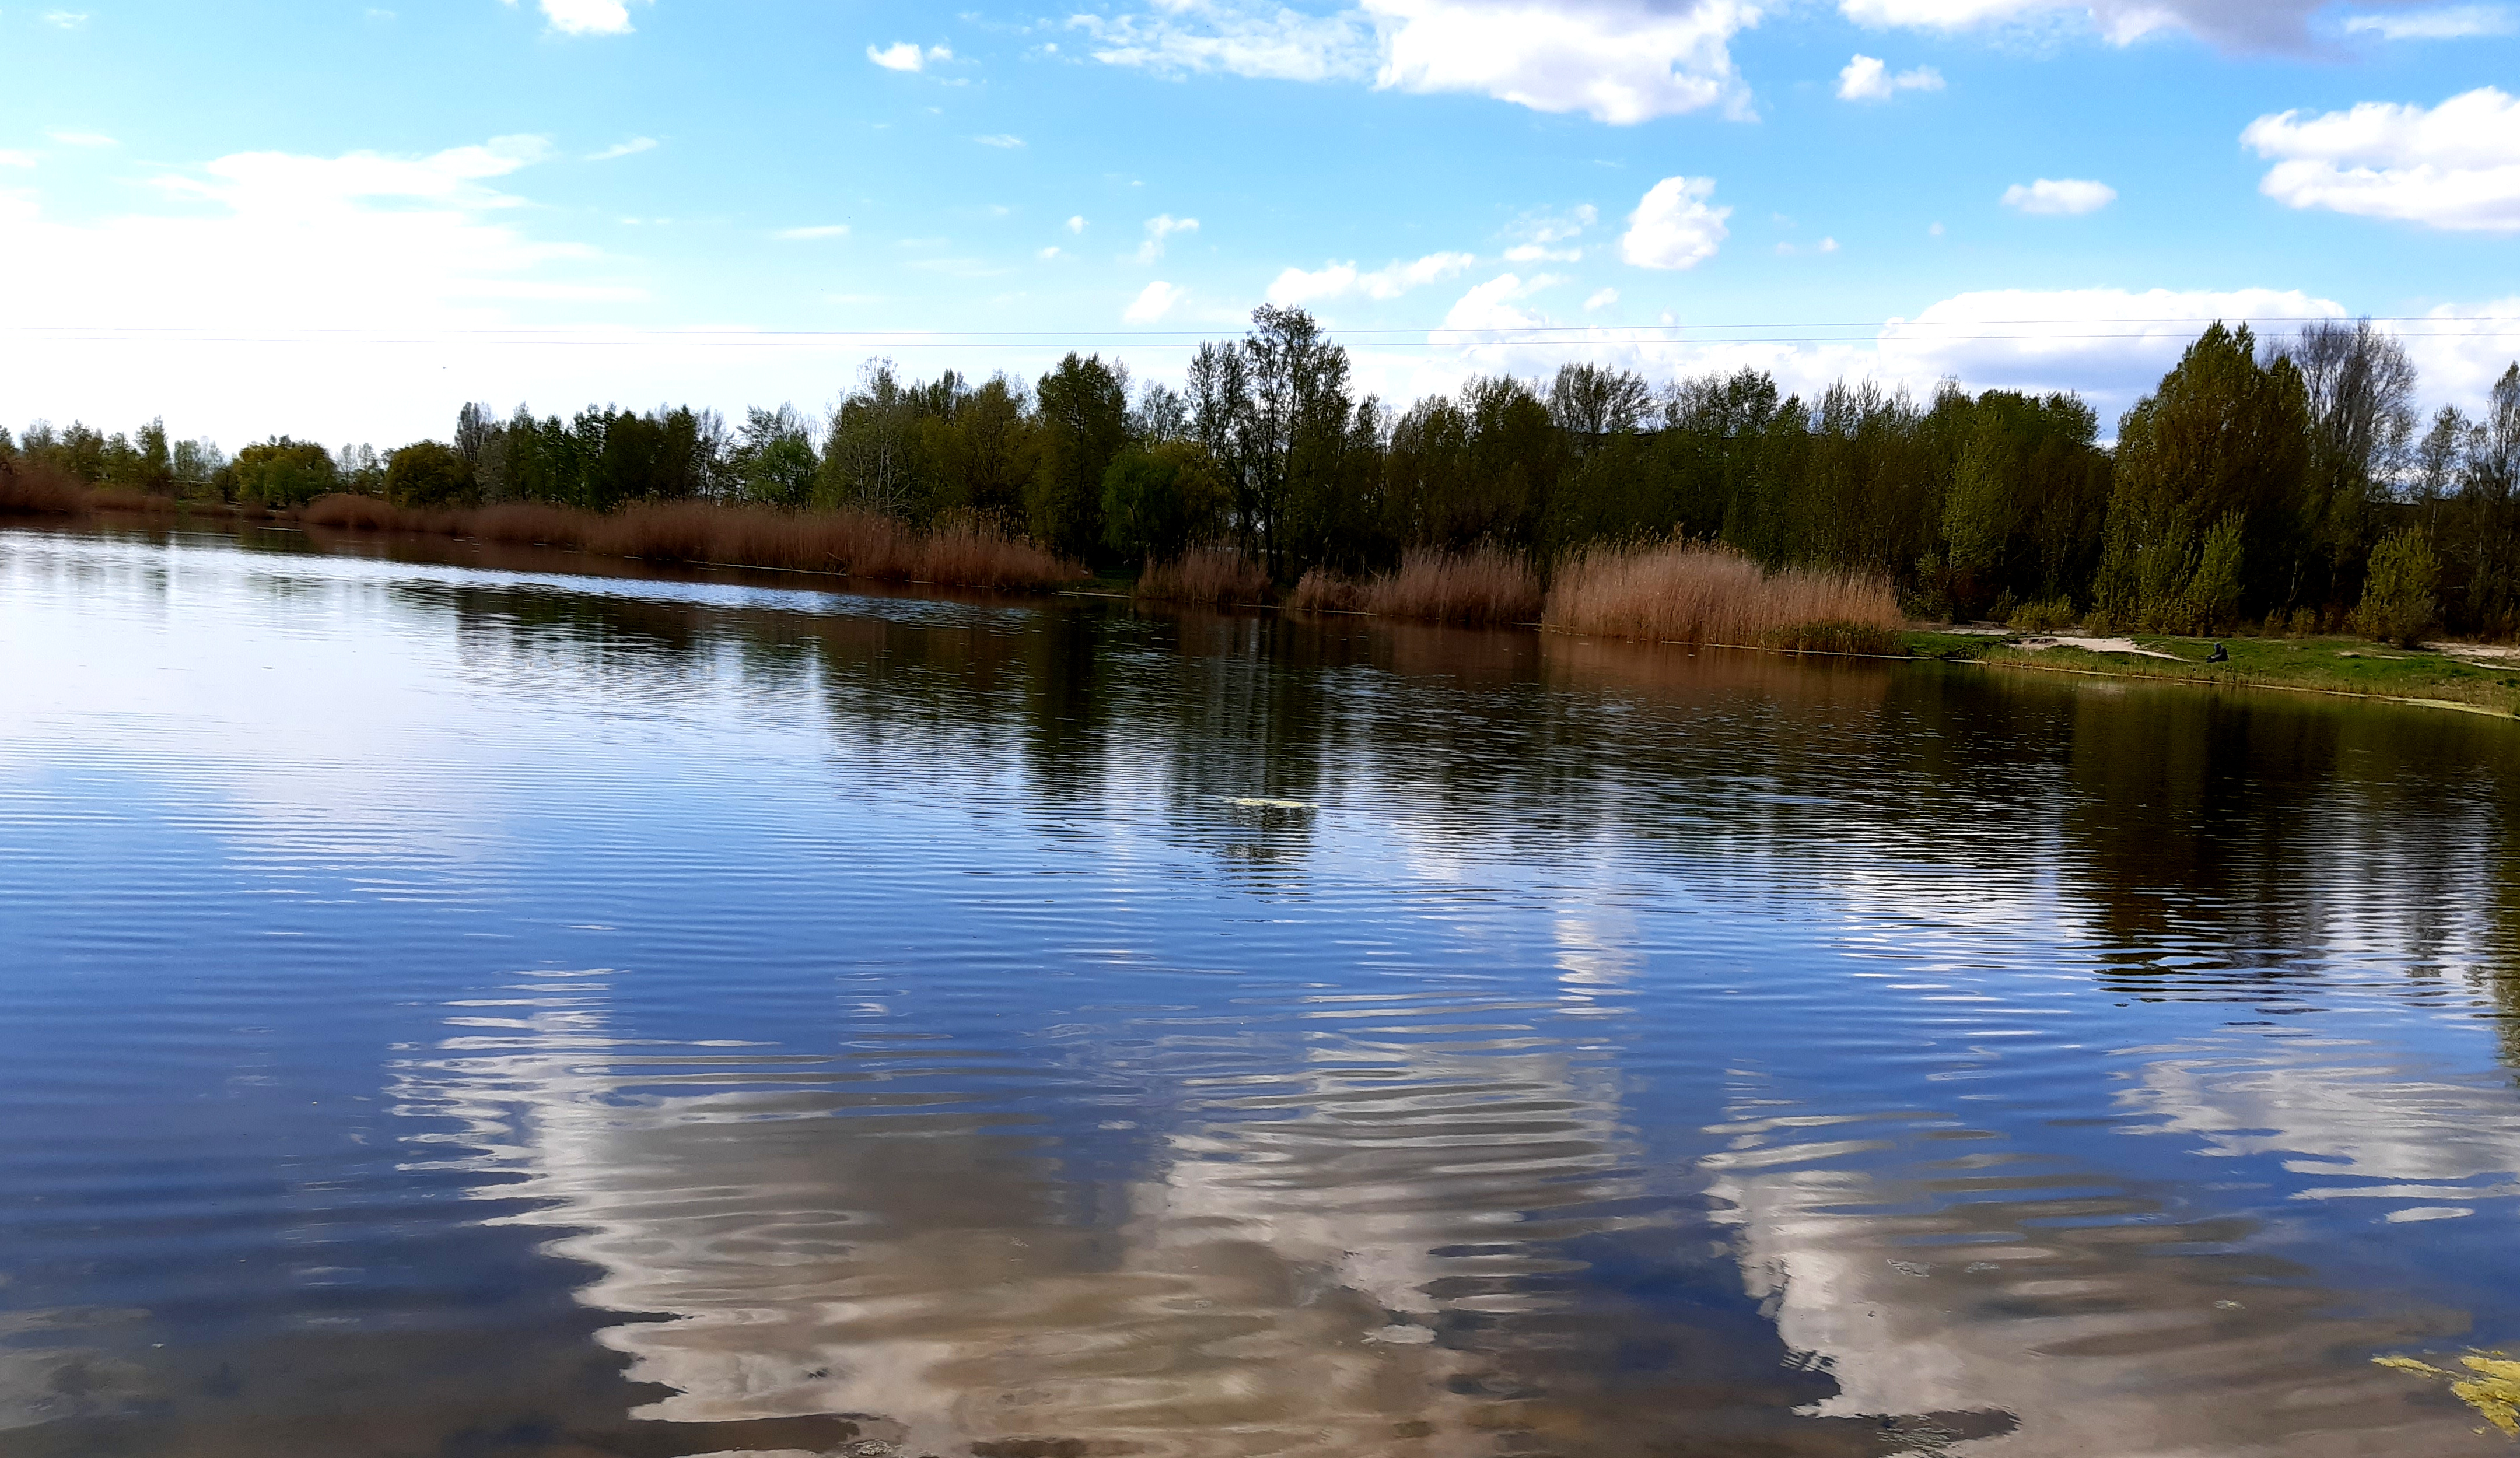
(1206, 577)
(29, 489)
(1484, 585)
(860, 544)
(1685, 592)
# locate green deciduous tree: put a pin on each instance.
(2223, 435)
(2400, 590)
(282, 473)
(1084, 411)
(426, 474)
(1160, 498)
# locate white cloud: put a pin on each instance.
(811, 232)
(2109, 345)
(2452, 22)
(1186, 36)
(587, 16)
(1602, 298)
(1824, 246)
(1007, 139)
(2109, 342)
(1673, 227)
(65, 19)
(1047, 255)
(17, 159)
(303, 276)
(904, 55)
(1867, 78)
(277, 240)
(2455, 166)
(2059, 196)
(631, 148)
(1076, 225)
(69, 138)
(1160, 228)
(1543, 233)
(2463, 349)
(1153, 303)
(1338, 280)
(2230, 24)
(1619, 62)
(1489, 308)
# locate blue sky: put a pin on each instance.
(344, 220)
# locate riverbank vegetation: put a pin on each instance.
(2281, 487)
(1686, 592)
(2477, 678)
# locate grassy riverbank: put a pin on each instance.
(2321, 665)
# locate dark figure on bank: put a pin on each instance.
(2218, 655)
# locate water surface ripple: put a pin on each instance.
(455, 1006)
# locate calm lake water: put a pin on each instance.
(457, 1007)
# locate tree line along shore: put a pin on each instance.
(2279, 488)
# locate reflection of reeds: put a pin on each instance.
(1206, 577)
(1484, 585)
(861, 544)
(29, 488)
(1682, 592)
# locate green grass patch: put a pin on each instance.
(2330, 665)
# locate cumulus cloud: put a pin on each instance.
(2455, 166)
(2059, 196)
(1602, 298)
(631, 148)
(2229, 24)
(1076, 224)
(2109, 345)
(1489, 308)
(65, 19)
(1153, 303)
(1673, 227)
(906, 55)
(1333, 281)
(1160, 228)
(1867, 78)
(2110, 342)
(1619, 62)
(2452, 22)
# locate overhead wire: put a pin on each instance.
(2011, 330)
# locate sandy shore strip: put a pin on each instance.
(2092, 645)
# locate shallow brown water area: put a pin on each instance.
(454, 1005)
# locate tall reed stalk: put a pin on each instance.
(1685, 592)
(1483, 584)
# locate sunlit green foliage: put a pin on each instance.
(2400, 590)
(283, 473)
